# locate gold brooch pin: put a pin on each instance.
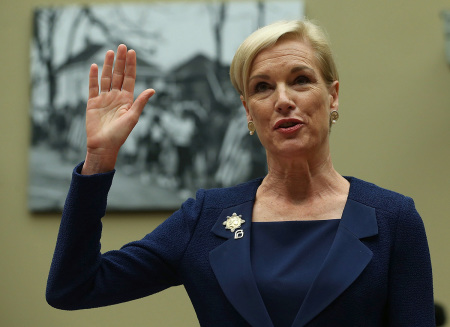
(233, 222)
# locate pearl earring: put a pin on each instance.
(251, 127)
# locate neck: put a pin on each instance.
(302, 180)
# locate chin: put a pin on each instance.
(294, 152)
(295, 149)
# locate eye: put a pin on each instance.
(302, 79)
(261, 87)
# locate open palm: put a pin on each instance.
(111, 113)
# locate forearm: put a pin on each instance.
(81, 277)
(77, 253)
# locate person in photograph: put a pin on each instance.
(300, 246)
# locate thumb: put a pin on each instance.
(141, 101)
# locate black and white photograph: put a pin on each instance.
(192, 134)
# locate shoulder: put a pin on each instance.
(210, 202)
(377, 197)
(394, 211)
(229, 196)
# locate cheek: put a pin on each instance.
(319, 103)
(322, 117)
(318, 112)
(260, 111)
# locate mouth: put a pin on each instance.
(287, 124)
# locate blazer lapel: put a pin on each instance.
(345, 261)
(231, 264)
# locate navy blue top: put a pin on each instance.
(377, 272)
(286, 257)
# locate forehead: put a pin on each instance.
(285, 52)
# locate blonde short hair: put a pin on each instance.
(267, 36)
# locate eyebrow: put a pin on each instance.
(302, 67)
(293, 70)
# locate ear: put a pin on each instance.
(247, 111)
(334, 95)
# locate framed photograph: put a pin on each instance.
(193, 132)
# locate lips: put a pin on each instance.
(287, 123)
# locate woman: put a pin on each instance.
(302, 246)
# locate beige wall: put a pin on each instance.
(394, 131)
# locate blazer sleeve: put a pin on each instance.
(410, 279)
(82, 277)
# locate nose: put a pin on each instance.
(284, 101)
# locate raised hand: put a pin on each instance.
(111, 114)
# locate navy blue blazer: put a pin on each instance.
(377, 272)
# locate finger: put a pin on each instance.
(140, 102)
(93, 81)
(119, 67)
(130, 72)
(105, 81)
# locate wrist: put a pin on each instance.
(98, 163)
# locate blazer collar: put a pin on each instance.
(346, 260)
(232, 266)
